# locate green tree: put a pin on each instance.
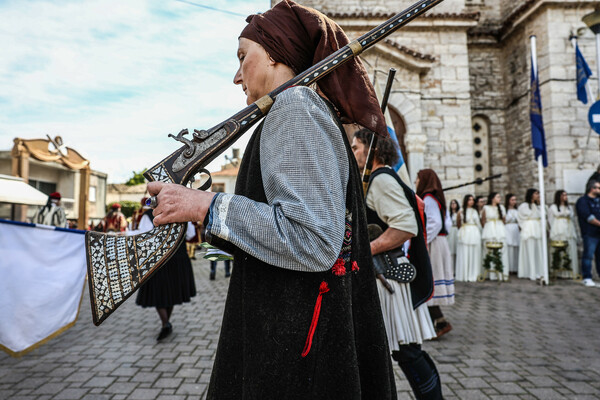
(137, 178)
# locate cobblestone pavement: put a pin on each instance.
(513, 340)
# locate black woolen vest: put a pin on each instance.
(422, 287)
(268, 314)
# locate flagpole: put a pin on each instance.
(545, 278)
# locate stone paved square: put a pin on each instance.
(513, 340)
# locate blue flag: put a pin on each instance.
(538, 137)
(583, 73)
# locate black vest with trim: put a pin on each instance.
(422, 287)
(268, 313)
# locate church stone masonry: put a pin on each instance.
(461, 97)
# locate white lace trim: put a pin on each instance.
(223, 207)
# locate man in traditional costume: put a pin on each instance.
(115, 220)
(138, 214)
(302, 317)
(392, 206)
(52, 213)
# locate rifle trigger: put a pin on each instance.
(206, 185)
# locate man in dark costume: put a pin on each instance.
(115, 220)
(392, 206)
(302, 317)
(171, 285)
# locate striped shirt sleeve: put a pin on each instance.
(305, 171)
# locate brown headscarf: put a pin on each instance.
(299, 37)
(430, 183)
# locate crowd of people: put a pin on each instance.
(487, 231)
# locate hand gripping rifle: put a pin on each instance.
(118, 265)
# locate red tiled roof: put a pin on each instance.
(226, 172)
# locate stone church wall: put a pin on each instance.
(484, 72)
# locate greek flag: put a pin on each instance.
(583, 74)
(538, 138)
(400, 167)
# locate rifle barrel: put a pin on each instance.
(366, 177)
(476, 181)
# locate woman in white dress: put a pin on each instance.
(468, 249)
(492, 218)
(453, 211)
(562, 228)
(429, 188)
(513, 236)
(531, 247)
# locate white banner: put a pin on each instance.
(42, 277)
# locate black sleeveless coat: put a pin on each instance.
(269, 310)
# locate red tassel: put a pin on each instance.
(323, 288)
(354, 266)
(338, 268)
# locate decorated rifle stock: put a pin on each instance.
(118, 265)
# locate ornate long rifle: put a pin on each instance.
(118, 265)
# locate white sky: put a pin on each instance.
(114, 77)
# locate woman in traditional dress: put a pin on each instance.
(480, 201)
(171, 285)
(513, 236)
(492, 218)
(429, 188)
(468, 248)
(531, 247)
(453, 211)
(302, 318)
(562, 229)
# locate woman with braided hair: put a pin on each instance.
(429, 188)
(493, 216)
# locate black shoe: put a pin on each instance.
(212, 276)
(227, 274)
(164, 332)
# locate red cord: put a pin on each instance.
(323, 288)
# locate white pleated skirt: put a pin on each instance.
(403, 325)
(468, 262)
(513, 258)
(443, 272)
